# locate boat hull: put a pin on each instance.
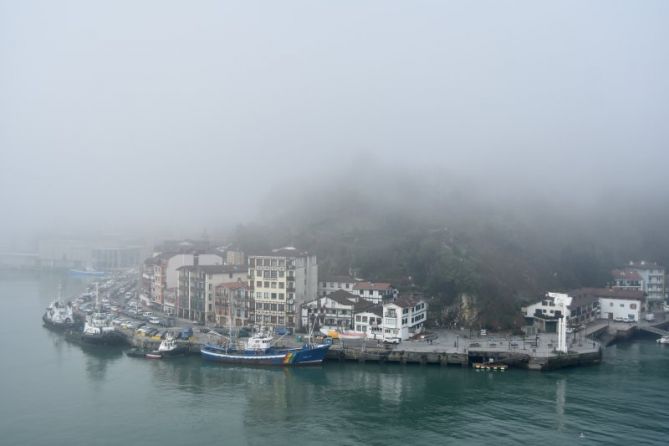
(55, 326)
(294, 357)
(108, 338)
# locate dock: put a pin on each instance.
(453, 347)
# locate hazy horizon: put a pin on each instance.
(169, 118)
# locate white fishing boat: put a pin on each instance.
(58, 315)
(663, 340)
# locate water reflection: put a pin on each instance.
(560, 402)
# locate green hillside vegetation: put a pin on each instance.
(477, 260)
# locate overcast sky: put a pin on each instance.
(123, 114)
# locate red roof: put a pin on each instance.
(613, 293)
(381, 286)
(626, 274)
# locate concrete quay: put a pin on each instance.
(455, 347)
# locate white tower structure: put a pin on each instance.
(562, 302)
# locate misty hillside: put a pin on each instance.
(436, 238)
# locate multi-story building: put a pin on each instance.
(627, 279)
(648, 277)
(197, 287)
(542, 316)
(368, 319)
(281, 281)
(233, 304)
(161, 273)
(334, 310)
(619, 304)
(375, 292)
(587, 304)
(404, 317)
(653, 276)
(330, 284)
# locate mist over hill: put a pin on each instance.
(478, 251)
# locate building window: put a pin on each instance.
(259, 284)
(632, 306)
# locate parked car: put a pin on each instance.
(650, 317)
(618, 319)
(154, 320)
(392, 340)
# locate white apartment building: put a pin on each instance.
(330, 284)
(620, 304)
(281, 281)
(334, 310)
(653, 276)
(368, 319)
(404, 317)
(375, 292)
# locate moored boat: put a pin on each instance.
(259, 351)
(86, 272)
(58, 316)
(98, 329)
(663, 340)
(495, 366)
(341, 334)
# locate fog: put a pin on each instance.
(170, 118)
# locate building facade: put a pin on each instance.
(331, 284)
(161, 273)
(404, 317)
(334, 310)
(281, 281)
(197, 288)
(375, 292)
(233, 304)
(368, 319)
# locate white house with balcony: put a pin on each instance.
(334, 310)
(404, 317)
(375, 292)
(368, 319)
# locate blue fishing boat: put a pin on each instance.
(259, 351)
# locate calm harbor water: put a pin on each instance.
(56, 393)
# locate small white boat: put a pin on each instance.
(341, 334)
(663, 340)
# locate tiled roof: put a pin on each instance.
(408, 300)
(379, 286)
(368, 307)
(612, 293)
(626, 274)
(343, 297)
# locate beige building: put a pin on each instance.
(280, 282)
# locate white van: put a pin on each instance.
(650, 317)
